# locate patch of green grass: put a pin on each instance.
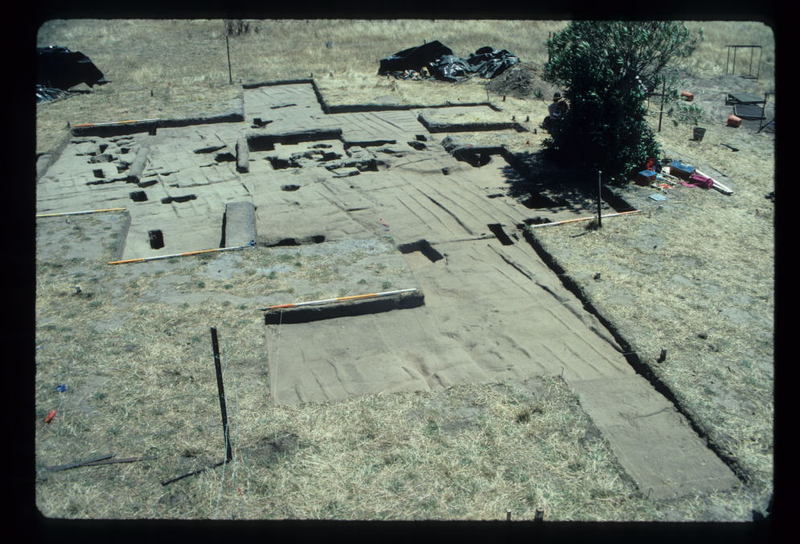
(431, 428)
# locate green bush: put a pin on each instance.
(607, 69)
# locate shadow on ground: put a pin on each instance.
(539, 182)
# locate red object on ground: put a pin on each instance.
(699, 180)
(686, 95)
(734, 121)
(50, 415)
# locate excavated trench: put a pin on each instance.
(306, 314)
(631, 356)
(424, 247)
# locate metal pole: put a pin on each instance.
(728, 60)
(221, 389)
(758, 67)
(599, 190)
(663, 96)
(228, 47)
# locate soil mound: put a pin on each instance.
(523, 80)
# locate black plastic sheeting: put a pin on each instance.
(46, 94)
(59, 69)
(489, 63)
(413, 58)
(442, 64)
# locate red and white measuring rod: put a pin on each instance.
(337, 299)
(554, 223)
(83, 212)
(112, 123)
(184, 254)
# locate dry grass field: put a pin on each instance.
(693, 276)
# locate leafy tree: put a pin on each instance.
(607, 70)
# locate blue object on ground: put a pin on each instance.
(680, 168)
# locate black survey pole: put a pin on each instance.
(663, 98)
(599, 198)
(221, 389)
(223, 409)
(228, 48)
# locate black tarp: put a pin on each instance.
(413, 58)
(489, 63)
(485, 62)
(450, 68)
(46, 94)
(60, 68)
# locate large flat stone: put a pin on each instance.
(240, 224)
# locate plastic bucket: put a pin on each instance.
(698, 133)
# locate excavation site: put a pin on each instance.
(382, 299)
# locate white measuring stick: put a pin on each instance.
(338, 299)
